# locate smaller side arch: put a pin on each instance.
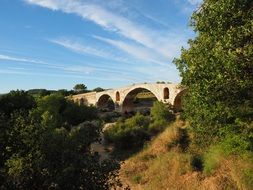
(105, 102)
(117, 96)
(166, 93)
(177, 104)
(83, 101)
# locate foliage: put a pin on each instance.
(161, 116)
(131, 133)
(196, 162)
(217, 69)
(14, 101)
(160, 82)
(109, 116)
(98, 89)
(63, 111)
(41, 148)
(230, 145)
(80, 88)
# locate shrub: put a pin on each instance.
(196, 162)
(160, 111)
(161, 116)
(110, 116)
(231, 145)
(137, 179)
(130, 133)
(157, 126)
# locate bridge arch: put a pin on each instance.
(177, 104)
(117, 96)
(128, 104)
(166, 93)
(105, 101)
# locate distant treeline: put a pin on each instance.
(64, 92)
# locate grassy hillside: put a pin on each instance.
(166, 163)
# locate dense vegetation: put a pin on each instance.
(43, 147)
(135, 131)
(217, 70)
(45, 140)
(213, 149)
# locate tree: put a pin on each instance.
(43, 148)
(16, 100)
(217, 69)
(80, 88)
(98, 89)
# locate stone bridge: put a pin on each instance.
(123, 97)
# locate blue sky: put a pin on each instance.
(56, 44)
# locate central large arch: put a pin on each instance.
(105, 102)
(131, 100)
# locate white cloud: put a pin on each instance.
(80, 69)
(195, 2)
(9, 58)
(73, 68)
(81, 48)
(167, 45)
(135, 50)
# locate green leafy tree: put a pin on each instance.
(42, 149)
(16, 100)
(217, 69)
(98, 89)
(80, 88)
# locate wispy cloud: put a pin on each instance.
(84, 49)
(10, 58)
(136, 51)
(69, 70)
(195, 2)
(123, 78)
(73, 68)
(163, 42)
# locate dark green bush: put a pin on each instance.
(132, 133)
(109, 116)
(196, 162)
(161, 115)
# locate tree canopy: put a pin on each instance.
(80, 88)
(45, 144)
(217, 69)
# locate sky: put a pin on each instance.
(55, 44)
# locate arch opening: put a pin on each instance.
(105, 103)
(166, 93)
(138, 100)
(83, 101)
(117, 96)
(178, 101)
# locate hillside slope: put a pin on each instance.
(165, 164)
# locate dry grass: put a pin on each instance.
(159, 167)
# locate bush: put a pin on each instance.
(196, 162)
(132, 133)
(110, 116)
(231, 145)
(161, 116)
(157, 126)
(42, 150)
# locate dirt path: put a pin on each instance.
(102, 148)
